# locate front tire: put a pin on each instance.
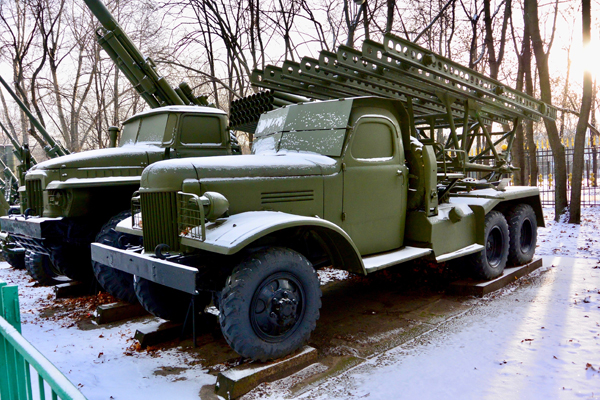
(270, 304)
(116, 282)
(490, 262)
(73, 261)
(522, 228)
(40, 268)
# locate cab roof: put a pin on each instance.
(177, 109)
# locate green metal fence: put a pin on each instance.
(20, 361)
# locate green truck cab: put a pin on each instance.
(352, 183)
(68, 201)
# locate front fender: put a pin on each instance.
(228, 236)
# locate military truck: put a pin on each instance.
(358, 183)
(70, 200)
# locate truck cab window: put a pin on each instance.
(200, 129)
(152, 130)
(129, 132)
(373, 141)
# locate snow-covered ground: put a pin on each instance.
(539, 338)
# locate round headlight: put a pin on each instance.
(216, 207)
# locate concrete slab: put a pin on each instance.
(169, 331)
(165, 332)
(238, 381)
(107, 313)
(481, 288)
(74, 289)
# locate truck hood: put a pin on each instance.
(126, 156)
(168, 175)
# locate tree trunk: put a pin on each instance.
(529, 139)
(594, 138)
(584, 115)
(558, 150)
(493, 60)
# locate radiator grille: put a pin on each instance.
(35, 197)
(159, 220)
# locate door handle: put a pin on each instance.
(400, 172)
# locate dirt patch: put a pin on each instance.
(168, 371)
(72, 311)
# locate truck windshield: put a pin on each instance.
(129, 132)
(325, 142)
(148, 130)
(153, 128)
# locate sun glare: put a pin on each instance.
(585, 58)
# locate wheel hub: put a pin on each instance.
(277, 307)
(284, 307)
(493, 247)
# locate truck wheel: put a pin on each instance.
(165, 302)
(40, 268)
(15, 259)
(117, 283)
(490, 262)
(73, 261)
(522, 228)
(270, 304)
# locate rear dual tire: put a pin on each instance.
(509, 240)
(522, 228)
(490, 262)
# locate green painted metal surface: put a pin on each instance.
(18, 356)
(377, 179)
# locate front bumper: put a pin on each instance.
(32, 227)
(147, 266)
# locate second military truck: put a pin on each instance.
(70, 201)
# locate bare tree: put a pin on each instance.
(558, 150)
(18, 35)
(495, 58)
(582, 124)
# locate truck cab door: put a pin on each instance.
(375, 186)
(201, 136)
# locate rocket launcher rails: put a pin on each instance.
(53, 148)
(438, 93)
(138, 69)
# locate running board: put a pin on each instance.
(474, 248)
(384, 260)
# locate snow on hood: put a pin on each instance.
(268, 165)
(131, 155)
(169, 174)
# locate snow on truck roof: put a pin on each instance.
(178, 109)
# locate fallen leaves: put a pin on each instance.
(589, 366)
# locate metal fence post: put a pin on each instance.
(15, 364)
(4, 377)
